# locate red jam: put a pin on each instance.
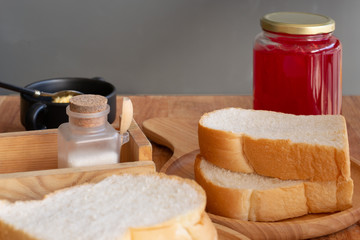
(299, 74)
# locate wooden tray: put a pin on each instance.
(37, 150)
(178, 135)
(28, 163)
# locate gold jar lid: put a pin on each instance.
(297, 23)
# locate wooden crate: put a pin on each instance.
(28, 163)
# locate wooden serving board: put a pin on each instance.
(181, 137)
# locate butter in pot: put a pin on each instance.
(62, 99)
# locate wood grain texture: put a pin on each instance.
(191, 108)
(351, 112)
(10, 114)
(138, 148)
(28, 151)
(309, 226)
(36, 184)
(225, 233)
(37, 150)
(180, 135)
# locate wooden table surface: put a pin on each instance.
(191, 108)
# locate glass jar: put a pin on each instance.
(88, 139)
(297, 65)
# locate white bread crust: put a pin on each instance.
(203, 229)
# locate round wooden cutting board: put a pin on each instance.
(181, 137)
(309, 226)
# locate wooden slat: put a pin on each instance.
(139, 148)
(28, 151)
(36, 184)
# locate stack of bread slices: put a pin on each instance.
(268, 166)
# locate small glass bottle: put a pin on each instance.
(297, 64)
(88, 139)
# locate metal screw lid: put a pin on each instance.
(297, 23)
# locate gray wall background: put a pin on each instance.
(154, 46)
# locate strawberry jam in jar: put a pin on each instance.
(297, 65)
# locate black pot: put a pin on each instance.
(40, 113)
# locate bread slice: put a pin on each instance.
(284, 146)
(249, 196)
(151, 206)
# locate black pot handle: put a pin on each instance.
(32, 120)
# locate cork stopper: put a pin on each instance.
(88, 110)
(88, 103)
